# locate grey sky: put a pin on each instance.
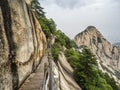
(73, 16)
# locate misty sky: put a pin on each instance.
(73, 16)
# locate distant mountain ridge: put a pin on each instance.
(108, 55)
(117, 44)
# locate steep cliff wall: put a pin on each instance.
(66, 74)
(108, 56)
(63, 75)
(22, 43)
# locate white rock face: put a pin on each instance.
(63, 73)
(108, 56)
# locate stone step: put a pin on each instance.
(36, 79)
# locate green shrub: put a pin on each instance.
(110, 81)
(86, 72)
(64, 40)
(55, 51)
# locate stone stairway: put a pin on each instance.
(36, 80)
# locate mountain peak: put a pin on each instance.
(108, 55)
(90, 32)
(91, 28)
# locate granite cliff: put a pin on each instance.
(108, 56)
(22, 43)
(64, 72)
(62, 75)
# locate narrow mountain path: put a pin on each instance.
(36, 80)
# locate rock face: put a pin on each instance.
(63, 75)
(108, 56)
(22, 43)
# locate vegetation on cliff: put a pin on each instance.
(86, 72)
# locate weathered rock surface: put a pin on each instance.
(108, 55)
(63, 75)
(22, 43)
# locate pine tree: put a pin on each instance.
(37, 8)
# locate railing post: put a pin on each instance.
(51, 81)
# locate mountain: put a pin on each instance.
(117, 44)
(26, 63)
(108, 56)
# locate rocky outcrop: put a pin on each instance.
(22, 43)
(66, 74)
(63, 75)
(108, 56)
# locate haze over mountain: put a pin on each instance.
(117, 44)
(73, 16)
